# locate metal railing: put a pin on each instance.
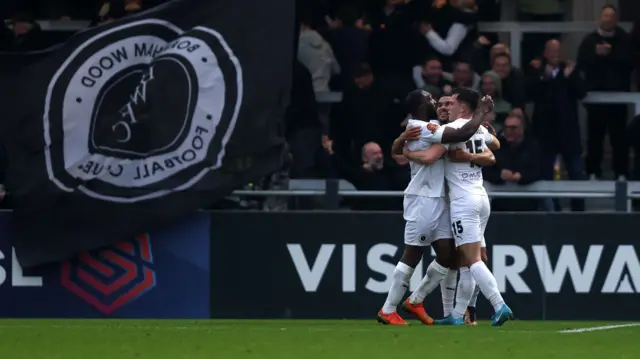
(621, 192)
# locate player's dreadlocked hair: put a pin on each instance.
(469, 97)
(420, 105)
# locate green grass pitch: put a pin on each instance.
(310, 339)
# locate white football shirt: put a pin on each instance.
(465, 178)
(426, 180)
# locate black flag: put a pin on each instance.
(137, 122)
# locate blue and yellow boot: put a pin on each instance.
(449, 320)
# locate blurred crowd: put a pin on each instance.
(373, 52)
(376, 52)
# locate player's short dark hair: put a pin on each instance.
(468, 96)
(609, 6)
(413, 102)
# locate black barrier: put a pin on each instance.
(338, 264)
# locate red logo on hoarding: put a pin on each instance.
(111, 278)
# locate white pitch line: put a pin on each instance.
(594, 329)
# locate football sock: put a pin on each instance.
(401, 276)
(487, 283)
(463, 295)
(448, 290)
(474, 296)
(435, 273)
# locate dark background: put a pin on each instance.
(255, 246)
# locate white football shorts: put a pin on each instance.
(427, 220)
(469, 218)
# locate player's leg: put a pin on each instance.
(448, 285)
(470, 317)
(481, 273)
(411, 256)
(434, 224)
(436, 271)
(461, 213)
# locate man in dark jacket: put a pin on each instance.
(605, 58)
(555, 89)
(517, 161)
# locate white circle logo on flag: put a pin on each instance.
(141, 110)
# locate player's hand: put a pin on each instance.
(516, 177)
(460, 155)
(411, 133)
(490, 128)
(506, 175)
(400, 160)
(405, 151)
(486, 104)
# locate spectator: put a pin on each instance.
(6, 37)
(451, 30)
(489, 11)
(303, 128)
(27, 34)
(633, 138)
(463, 75)
(392, 44)
(492, 86)
(362, 110)
(605, 58)
(538, 11)
(116, 9)
(513, 82)
(635, 38)
(518, 162)
(350, 44)
(316, 54)
(371, 110)
(556, 89)
(373, 174)
(483, 63)
(431, 78)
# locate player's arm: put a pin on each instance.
(484, 158)
(426, 157)
(409, 134)
(491, 137)
(462, 134)
(493, 144)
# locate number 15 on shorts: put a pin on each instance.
(456, 226)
